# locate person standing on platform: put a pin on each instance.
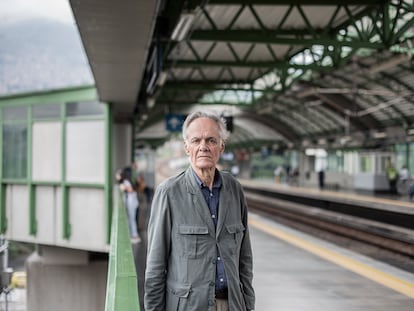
(404, 174)
(392, 175)
(199, 254)
(411, 190)
(321, 177)
(278, 173)
(131, 203)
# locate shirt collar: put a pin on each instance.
(217, 179)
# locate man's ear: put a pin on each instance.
(186, 149)
(222, 147)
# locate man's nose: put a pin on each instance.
(203, 144)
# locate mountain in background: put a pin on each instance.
(39, 55)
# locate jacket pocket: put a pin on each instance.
(177, 297)
(235, 233)
(192, 240)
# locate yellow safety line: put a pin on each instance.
(378, 276)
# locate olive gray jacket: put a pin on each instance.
(182, 253)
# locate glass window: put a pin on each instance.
(335, 161)
(383, 161)
(14, 150)
(351, 162)
(401, 151)
(15, 113)
(50, 111)
(365, 164)
(84, 109)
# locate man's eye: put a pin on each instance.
(212, 141)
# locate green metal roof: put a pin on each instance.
(304, 70)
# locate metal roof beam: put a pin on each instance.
(284, 130)
(210, 87)
(261, 37)
(250, 64)
(296, 2)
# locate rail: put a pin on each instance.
(373, 223)
(122, 282)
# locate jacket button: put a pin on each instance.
(211, 283)
(211, 302)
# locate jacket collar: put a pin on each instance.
(200, 204)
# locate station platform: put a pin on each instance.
(294, 271)
(384, 201)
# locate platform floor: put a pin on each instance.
(294, 271)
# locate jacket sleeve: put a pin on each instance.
(246, 261)
(159, 236)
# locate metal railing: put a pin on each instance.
(122, 282)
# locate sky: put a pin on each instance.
(18, 10)
(40, 34)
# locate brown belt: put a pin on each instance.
(222, 294)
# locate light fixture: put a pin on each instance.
(410, 131)
(150, 102)
(162, 78)
(322, 141)
(183, 26)
(345, 139)
(379, 134)
(317, 152)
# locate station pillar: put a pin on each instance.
(65, 279)
(243, 158)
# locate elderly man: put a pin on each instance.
(199, 252)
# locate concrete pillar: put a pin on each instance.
(65, 279)
(306, 165)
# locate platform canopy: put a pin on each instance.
(290, 73)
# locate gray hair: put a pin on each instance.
(221, 123)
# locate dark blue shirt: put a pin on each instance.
(212, 199)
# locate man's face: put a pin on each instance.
(203, 144)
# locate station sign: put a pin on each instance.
(174, 122)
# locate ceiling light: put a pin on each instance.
(318, 152)
(150, 102)
(162, 78)
(345, 139)
(379, 134)
(322, 141)
(183, 26)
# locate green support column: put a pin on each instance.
(3, 220)
(31, 188)
(108, 170)
(64, 187)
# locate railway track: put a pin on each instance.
(385, 242)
